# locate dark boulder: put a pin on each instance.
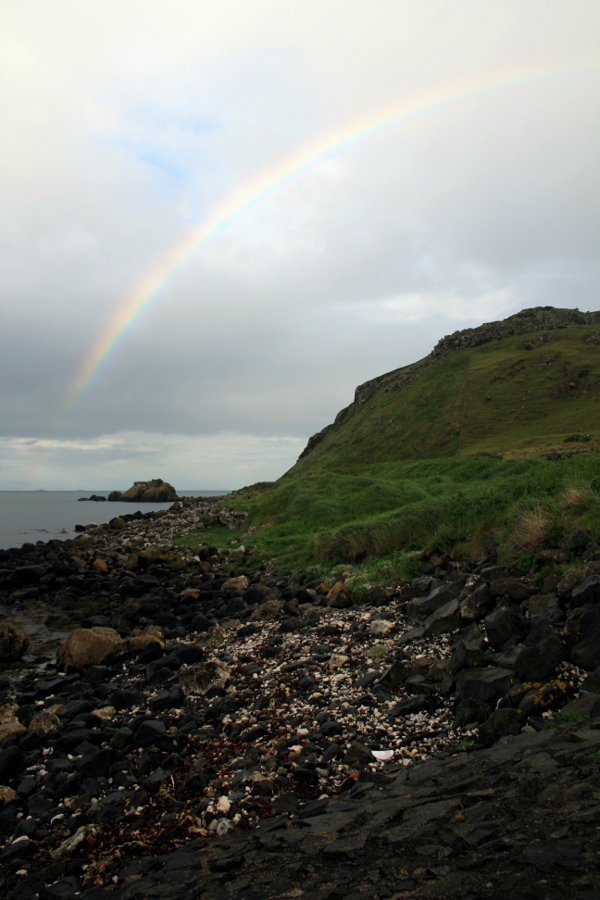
(542, 652)
(470, 711)
(587, 592)
(587, 652)
(500, 723)
(477, 605)
(514, 588)
(486, 685)
(504, 623)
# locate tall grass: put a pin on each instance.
(387, 510)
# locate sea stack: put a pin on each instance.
(155, 491)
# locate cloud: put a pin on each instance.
(111, 462)
(126, 129)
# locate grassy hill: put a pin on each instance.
(522, 393)
(496, 429)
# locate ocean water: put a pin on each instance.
(31, 516)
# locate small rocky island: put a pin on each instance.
(155, 491)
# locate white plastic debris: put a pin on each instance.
(383, 755)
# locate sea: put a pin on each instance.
(32, 516)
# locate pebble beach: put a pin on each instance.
(201, 728)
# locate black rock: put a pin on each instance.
(485, 685)
(419, 703)
(189, 655)
(330, 728)
(16, 851)
(149, 730)
(504, 623)
(470, 711)
(127, 699)
(542, 652)
(95, 763)
(66, 889)
(577, 540)
(200, 623)
(12, 763)
(500, 723)
(587, 652)
(285, 803)
(588, 592)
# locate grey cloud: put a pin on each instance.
(126, 131)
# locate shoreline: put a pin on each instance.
(229, 732)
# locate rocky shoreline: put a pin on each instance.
(210, 730)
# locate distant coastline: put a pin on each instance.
(29, 516)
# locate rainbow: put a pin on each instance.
(262, 189)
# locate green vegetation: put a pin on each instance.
(437, 456)
(379, 515)
(560, 718)
(495, 399)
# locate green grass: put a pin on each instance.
(560, 718)
(438, 455)
(375, 517)
(495, 399)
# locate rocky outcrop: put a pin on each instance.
(156, 491)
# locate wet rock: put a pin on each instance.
(89, 647)
(13, 643)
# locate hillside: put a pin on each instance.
(529, 382)
(497, 429)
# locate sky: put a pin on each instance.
(128, 126)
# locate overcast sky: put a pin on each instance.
(125, 124)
